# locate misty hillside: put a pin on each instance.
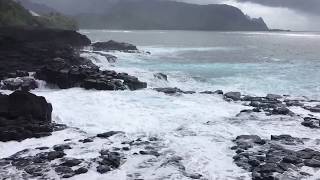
(12, 13)
(37, 7)
(153, 14)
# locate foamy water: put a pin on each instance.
(198, 128)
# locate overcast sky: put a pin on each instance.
(284, 14)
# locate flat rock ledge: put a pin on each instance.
(114, 46)
(24, 115)
(274, 158)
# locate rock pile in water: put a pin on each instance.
(274, 159)
(89, 77)
(114, 46)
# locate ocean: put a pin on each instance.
(198, 128)
(249, 62)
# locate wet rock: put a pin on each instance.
(27, 50)
(98, 85)
(21, 162)
(252, 98)
(81, 170)
(87, 140)
(153, 153)
(286, 139)
(34, 170)
(281, 110)
(246, 111)
(20, 83)
(235, 96)
(59, 127)
(292, 159)
(307, 153)
(113, 46)
(102, 169)
(71, 162)
(250, 139)
(193, 176)
(315, 109)
(111, 159)
(172, 91)
(218, 92)
(126, 148)
(312, 163)
(269, 168)
(161, 76)
(42, 148)
(64, 171)
(287, 166)
(17, 73)
(61, 147)
(212, 92)
(293, 103)
(108, 134)
(274, 96)
(54, 155)
(169, 90)
(59, 72)
(24, 115)
(271, 160)
(311, 122)
(131, 82)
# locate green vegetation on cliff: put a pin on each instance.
(13, 14)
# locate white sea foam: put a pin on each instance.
(199, 128)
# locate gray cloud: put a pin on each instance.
(305, 6)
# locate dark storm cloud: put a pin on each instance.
(305, 6)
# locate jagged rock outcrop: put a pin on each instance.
(113, 46)
(54, 56)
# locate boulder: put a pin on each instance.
(108, 134)
(281, 110)
(103, 169)
(311, 122)
(212, 92)
(24, 115)
(161, 76)
(169, 90)
(113, 46)
(20, 83)
(235, 96)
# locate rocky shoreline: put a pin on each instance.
(53, 56)
(31, 56)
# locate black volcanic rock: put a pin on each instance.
(173, 91)
(54, 56)
(31, 49)
(274, 158)
(23, 83)
(59, 72)
(235, 96)
(113, 46)
(24, 115)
